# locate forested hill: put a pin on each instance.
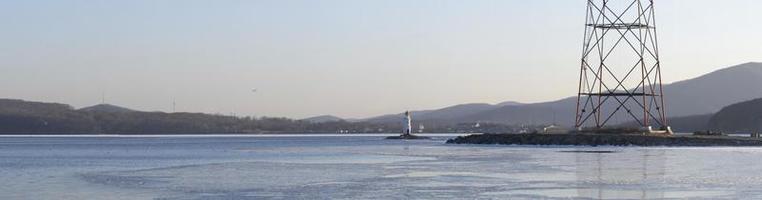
(741, 117)
(24, 117)
(17, 116)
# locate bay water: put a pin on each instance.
(363, 167)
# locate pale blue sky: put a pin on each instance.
(349, 58)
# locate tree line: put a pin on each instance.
(23, 117)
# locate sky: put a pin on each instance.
(348, 58)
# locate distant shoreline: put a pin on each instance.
(230, 135)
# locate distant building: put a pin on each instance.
(553, 129)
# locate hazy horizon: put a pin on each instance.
(352, 59)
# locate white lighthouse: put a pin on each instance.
(407, 130)
(408, 124)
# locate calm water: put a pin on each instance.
(363, 167)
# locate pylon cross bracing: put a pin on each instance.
(620, 73)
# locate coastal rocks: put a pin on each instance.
(604, 139)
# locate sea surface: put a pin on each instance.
(363, 167)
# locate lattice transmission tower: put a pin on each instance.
(620, 75)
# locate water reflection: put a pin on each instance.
(624, 175)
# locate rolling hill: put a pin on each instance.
(699, 96)
(323, 119)
(741, 117)
(106, 108)
(448, 114)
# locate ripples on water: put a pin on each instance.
(363, 167)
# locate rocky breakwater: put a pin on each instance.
(588, 139)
